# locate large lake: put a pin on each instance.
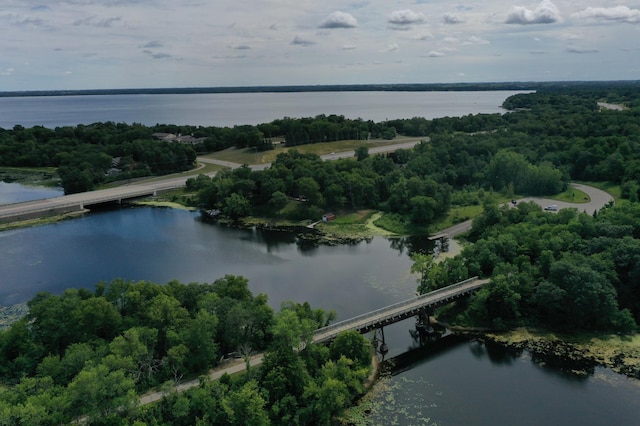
(230, 109)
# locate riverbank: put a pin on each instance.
(578, 353)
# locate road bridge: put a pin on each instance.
(400, 311)
(79, 202)
(362, 323)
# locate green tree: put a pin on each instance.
(361, 152)
(236, 206)
(278, 200)
(247, 406)
(97, 391)
(353, 346)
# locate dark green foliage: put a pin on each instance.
(94, 350)
(351, 345)
(567, 270)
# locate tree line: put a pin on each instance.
(559, 126)
(85, 353)
(564, 271)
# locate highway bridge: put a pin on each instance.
(79, 202)
(400, 311)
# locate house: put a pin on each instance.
(328, 217)
(183, 139)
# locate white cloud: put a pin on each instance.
(475, 41)
(120, 43)
(452, 18)
(582, 50)
(423, 36)
(405, 17)
(545, 13)
(617, 14)
(339, 20)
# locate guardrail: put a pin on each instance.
(444, 294)
(69, 203)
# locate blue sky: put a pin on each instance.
(102, 44)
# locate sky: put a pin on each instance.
(107, 44)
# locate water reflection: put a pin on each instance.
(412, 244)
(497, 354)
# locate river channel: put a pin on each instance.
(453, 381)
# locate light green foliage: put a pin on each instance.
(99, 391)
(422, 265)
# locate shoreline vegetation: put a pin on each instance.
(399, 87)
(580, 352)
(297, 88)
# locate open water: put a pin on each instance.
(230, 109)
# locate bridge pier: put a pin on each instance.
(423, 323)
(383, 349)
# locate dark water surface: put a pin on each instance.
(459, 382)
(160, 245)
(451, 382)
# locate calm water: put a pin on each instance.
(11, 192)
(230, 109)
(452, 382)
(160, 245)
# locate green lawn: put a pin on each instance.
(250, 156)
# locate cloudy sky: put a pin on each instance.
(101, 44)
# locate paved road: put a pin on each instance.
(373, 150)
(598, 200)
(76, 202)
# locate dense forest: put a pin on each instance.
(91, 353)
(548, 140)
(86, 353)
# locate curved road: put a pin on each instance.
(598, 199)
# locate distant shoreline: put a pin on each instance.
(407, 87)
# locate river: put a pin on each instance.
(450, 382)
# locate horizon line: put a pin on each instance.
(507, 85)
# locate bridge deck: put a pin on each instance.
(399, 311)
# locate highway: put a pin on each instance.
(78, 202)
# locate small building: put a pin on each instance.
(328, 217)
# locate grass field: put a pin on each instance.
(572, 195)
(250, 156)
